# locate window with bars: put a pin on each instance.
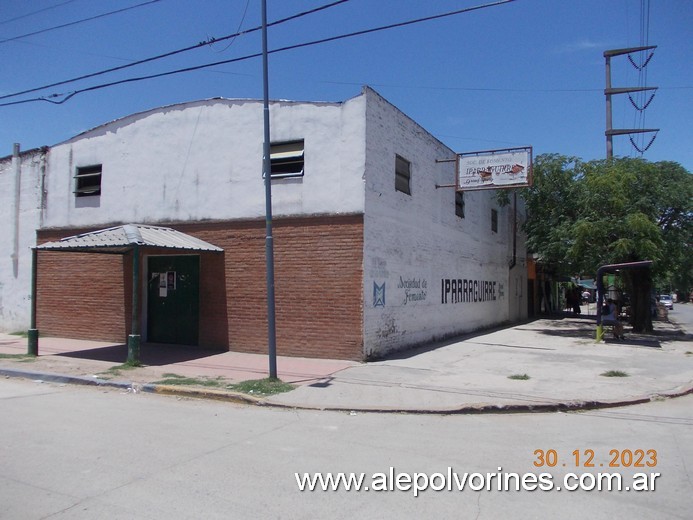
(88, 181)
(494, 220)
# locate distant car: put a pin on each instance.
(667, 301)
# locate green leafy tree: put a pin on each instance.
(585, 214)
(552, 204)
(675, 215)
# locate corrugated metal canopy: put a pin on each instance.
(121, 239)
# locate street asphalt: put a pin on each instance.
(549, 364)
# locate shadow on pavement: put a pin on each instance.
(150, 354)
(634, 342)
(565, 325)
(569, 332)
(666, 335)
(584, 327)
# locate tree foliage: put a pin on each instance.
(581, 215)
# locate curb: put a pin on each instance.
(202, 393)
(478, 409)
(235, 397)
(63, 379)
(132, 387)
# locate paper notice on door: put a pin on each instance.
(163, 288)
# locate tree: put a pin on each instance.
(581, 215)
(676, 221)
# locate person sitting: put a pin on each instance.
(611, 318)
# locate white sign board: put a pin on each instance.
(494, 169)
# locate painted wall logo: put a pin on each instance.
(472, 291)
(414, 289)
(378, 295)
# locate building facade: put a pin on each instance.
(374, 252)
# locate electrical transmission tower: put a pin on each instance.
(609, 91)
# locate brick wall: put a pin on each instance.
(318, 286)
(214, 319)
(82, 296)
(318, 283)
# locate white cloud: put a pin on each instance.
(583, 45)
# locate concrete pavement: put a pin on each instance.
(555, 362)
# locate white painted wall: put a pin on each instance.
(203, 160)
(193, 161)
(413, 243)
(19, 218)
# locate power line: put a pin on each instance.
(81, 50)
(79, 21)
(638, 142)
(177, 51)
(488, 89)
(255, 55)
(2, 22)
(238, 30)
(469, 89)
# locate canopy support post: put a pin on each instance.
(134, 336)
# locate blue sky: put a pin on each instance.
(529, 72)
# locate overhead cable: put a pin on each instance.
(70, 95)
(2, 22)
(173, 53)
(78, 21)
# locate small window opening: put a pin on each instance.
(402, 175)
(88, 181)
(286, 159)
(459, 204)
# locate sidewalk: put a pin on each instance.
(469, 375)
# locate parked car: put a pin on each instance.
(667, 301)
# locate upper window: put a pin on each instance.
(459, 204)
(494, 220)
(88, 181)
(286, 159)
(402, 175)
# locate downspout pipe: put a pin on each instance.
(33, 333)
(514, 260)
(17, 169)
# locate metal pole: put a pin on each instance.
(608, 92)
(267, 174)
(609, 137)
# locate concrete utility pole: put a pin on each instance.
(608, 92)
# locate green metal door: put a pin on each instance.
(173, 299)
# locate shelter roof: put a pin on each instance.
(121, 239)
